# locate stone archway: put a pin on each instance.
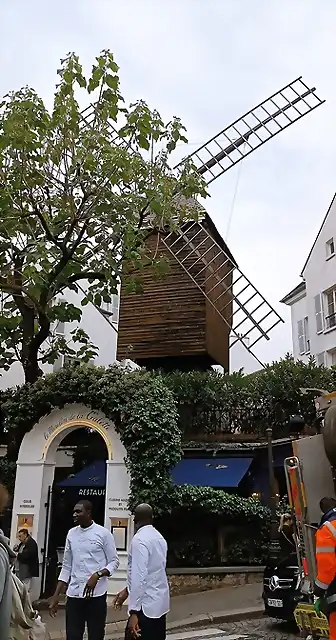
(36, 467)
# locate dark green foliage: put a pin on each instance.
(212, 403)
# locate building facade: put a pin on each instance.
(101, 324)
(313, 301)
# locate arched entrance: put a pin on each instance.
(35, 475)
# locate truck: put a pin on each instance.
(311, 475)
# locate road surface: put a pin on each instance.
(247, 630)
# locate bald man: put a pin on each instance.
(147, 584)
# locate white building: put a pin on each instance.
(313, 301)
(100, 324)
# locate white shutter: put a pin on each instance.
(318, 313)
(320, 358)
(301, 337)
(306, 334)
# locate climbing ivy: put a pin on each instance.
(141, 406)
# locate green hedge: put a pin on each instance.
(214, 403)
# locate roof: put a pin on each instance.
(300, 288)
(320, 229)
(208, 223)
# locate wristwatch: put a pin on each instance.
(99, 574)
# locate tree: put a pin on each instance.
(79, 192)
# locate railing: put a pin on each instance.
(330, 321)
(208, 424)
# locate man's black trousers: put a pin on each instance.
(151, 628)
(89, 611)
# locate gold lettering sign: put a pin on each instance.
(99, 424)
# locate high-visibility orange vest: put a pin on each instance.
(325, 583)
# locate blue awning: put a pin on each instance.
(94, 475)
(211, 472)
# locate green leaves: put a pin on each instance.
(212, 403)
(76, 194)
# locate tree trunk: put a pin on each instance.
(32, 370)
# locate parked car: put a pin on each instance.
(282, 590)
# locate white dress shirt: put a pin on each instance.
(87, 551)
(146, 576)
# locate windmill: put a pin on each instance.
(224, 306)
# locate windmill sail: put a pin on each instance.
(242, 308)
(254, 128)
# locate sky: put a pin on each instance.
(208, 62)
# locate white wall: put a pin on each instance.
(298, 313)
(102, 334)
(319, 275)
(96, 326)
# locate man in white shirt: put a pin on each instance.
(147, 584)
(90, 557)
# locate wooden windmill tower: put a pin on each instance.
(206, 304)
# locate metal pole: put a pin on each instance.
(274, 537)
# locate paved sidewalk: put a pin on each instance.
(185, 609)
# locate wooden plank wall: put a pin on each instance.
(166, 319)
(171, 317)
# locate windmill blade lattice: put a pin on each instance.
(254, 128)
(89, 119)
(243, 309)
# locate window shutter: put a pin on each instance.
(301, 337)
(318, 314)
(306, 334)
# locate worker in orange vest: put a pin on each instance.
(325, 583)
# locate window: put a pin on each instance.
(303, 336)
(330, 309)
(320, 359)
(111, 309)
(58, 363)
(333, 359)
(318, 313)
(330, 248)
(60, 328)
(69, 361)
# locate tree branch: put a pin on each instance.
(87, 275)
(41, 336)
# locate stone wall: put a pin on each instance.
(185, 581)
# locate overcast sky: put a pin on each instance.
(209, 61)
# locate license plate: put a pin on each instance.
(274, 603)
